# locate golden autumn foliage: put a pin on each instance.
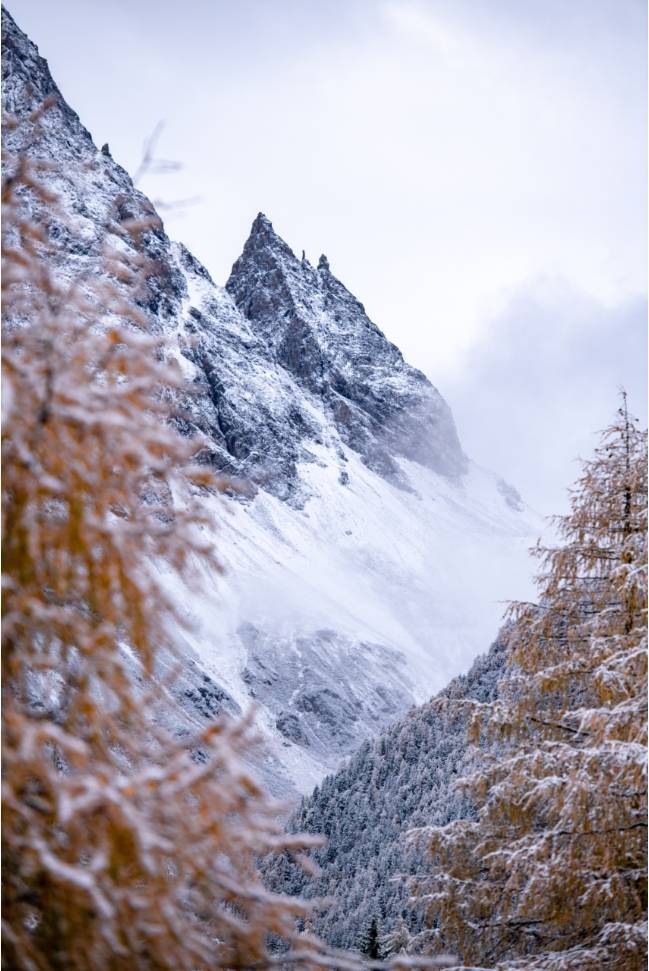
(551, 874)
(121, 849)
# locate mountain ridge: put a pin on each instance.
(319, 332)
(364, 554)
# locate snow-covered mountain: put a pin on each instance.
(366, 556)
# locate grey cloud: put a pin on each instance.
(530, 397)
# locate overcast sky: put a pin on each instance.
(475, 170)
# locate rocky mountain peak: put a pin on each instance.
(317, 330)
(261, 222)
(263, 234)
(264, 246)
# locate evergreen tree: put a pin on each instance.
(397, 940)
(370, 942)
(552, 872)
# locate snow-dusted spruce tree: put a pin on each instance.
(370, 943)
(397, 940)
(120, 849)
(551, 874)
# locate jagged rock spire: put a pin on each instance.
(319, 332)
(262, 224)
(263, 245)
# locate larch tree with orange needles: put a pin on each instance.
(120, 849)
(551, 873)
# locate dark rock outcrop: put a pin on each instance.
(319, 332)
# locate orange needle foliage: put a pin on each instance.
(120, 850)
(551, 874)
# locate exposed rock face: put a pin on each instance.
(315, 706)
(319, 332)
(98, 194)
(365, 556)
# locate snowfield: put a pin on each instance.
(366, 588)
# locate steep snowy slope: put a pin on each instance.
(342, 614)
(365, 555)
